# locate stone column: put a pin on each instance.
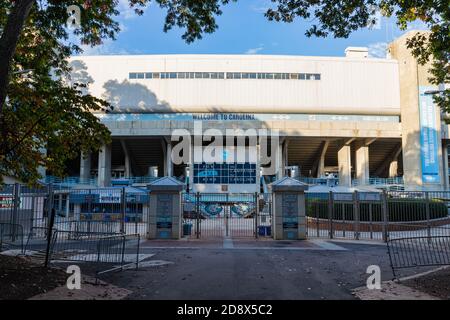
(393, 168)
(321, 164)
(362, 164)
(85, 167)
(104, 166)
(344, 164)
(280, 159)
(127, 159)
(414, 82)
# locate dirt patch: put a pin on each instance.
(22, 279)
(436, 284)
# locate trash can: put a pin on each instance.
(264, 231)
(187, 229)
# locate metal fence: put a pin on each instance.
(377, 215)
(11, 236)
(124, 210)
(418, 251)
(108, 252)
(219, 215)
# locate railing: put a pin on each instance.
(378, 215)
(331, 182)
(381, 181)
(421, 251)
(11, 236)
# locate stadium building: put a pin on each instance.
(350, 120)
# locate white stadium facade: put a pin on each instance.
(350, 120)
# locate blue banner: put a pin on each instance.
(429, 142)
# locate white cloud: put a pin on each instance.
(254, 50)
(378, 49)
(125, 11)
(262, 6)
(107, 48)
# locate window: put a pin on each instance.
(223, 75)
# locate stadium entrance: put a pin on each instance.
(225, 215)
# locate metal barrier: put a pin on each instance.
(418, 252)
(218, 215)
(11, 236)
(377, 215)
(107, 252)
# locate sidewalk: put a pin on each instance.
(89, 291)
(430, 285)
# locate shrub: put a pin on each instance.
(400, 210)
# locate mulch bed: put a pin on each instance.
(436, 284)
(21, 279)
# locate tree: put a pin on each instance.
(44, 110)
(340, 18)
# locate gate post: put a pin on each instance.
(330, 213)
(256, 214)
(356, 214)
(197, 210)
(384, 210)
(165, 211)
(123, 209)
(427, 212)
(15, 213)
(289, 216)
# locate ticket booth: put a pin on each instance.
(165, 212)
(289, 210)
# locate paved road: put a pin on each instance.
(301, 270)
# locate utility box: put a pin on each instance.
(289, 210)
(165, 209)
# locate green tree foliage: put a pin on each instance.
(44, 108)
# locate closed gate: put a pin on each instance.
(220, 215)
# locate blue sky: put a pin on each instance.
(243, 29)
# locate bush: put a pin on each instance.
(400, 210)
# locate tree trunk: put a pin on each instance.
(8, 43)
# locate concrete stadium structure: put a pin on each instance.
(353, 117)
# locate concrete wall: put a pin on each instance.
(347, 85)
(413, 75)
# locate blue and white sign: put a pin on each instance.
(429, 144)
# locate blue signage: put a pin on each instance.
(429, 144)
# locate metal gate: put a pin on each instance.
(222, 215)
